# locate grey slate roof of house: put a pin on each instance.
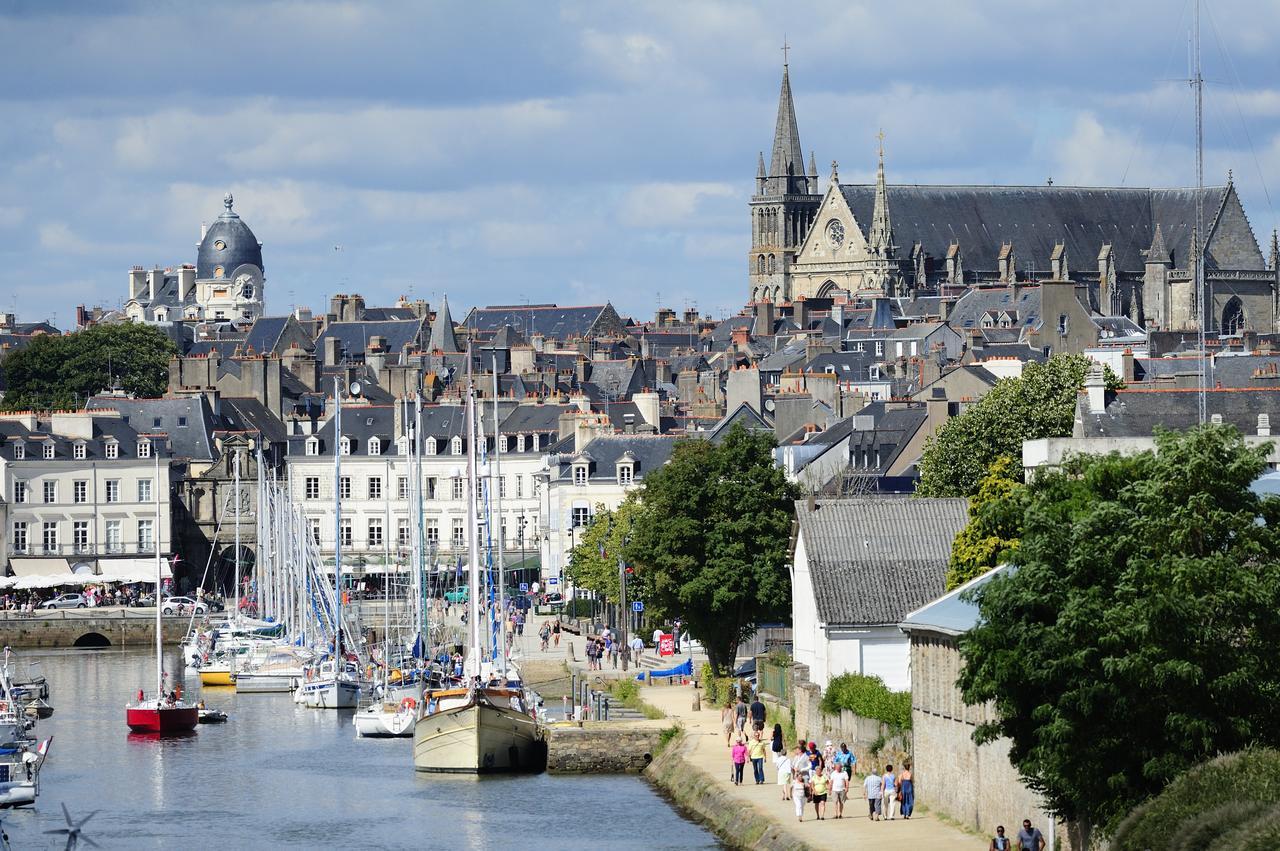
(784, 358)
(745, 415)
(354, 336)
(845, 366)
(978, 301)
(1135, 412)
(264, 336)
(548, 320)
(188, 421)
(240, 246)
(1036, 218)
(651, 452)
(95, 448)
(873, 560)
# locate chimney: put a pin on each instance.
(837, 314)
(741, 336)
(800, 312)
(155, 281)
(1126, 366)
(690, 316)
(581, 402)
(375, 355)
(1264, 425)
(137, 282)
(650, 410)
(944, 308)
(186, 281)
(764, 319)
(337, 306)
(332, 351)
(1095, 386)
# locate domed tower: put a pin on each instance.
(229, 271)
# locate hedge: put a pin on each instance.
(868, 697)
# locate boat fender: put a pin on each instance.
(396, 675)
(4, 707)
(408, 703)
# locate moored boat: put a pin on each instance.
(387, 720)
(476, 731)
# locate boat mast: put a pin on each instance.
(235, 592)
(156, 540)
(473, 532)
(497, 510)
(419, 535)
(337, 530)
(1198, 239)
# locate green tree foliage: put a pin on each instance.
(1136, 635)
(712, 542)
(1235, 795)
(868, 697)
(995, 523)
(53, 371)
(593, 562)
(1042, 403)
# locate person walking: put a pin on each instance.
(906, 791)
(889, 793)
(555, 633)
(739, 760)
(796, 787)
(839, 788)
(740, 714)
(637, 649)
(873, 786)
(776, 744)
(800, 763)
(726, 721)
(999, 842)
(545, 635)
(757, 714)
(782, 764)
(756, 750)
(820, 783)
(845, 760)
(1030, 838)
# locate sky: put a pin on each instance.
(572, 152)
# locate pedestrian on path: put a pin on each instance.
(845, 760)
(906, 790)
(800, 762)
(726, 721)
(740, 714)
(820, 783)
(545, 635)
(999, 842)
(797, 787)
(757, 713)
(1030, 838)
(782, 763)
(756, 750)
(889, 796)
(739, 760)
(839, 789)
(555, 633)
(873, 786)
(637, 649)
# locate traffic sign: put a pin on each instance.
(552, 581)
(524, 587)
(637, 606)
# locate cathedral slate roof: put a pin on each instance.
(1035, 218)
(548, 320)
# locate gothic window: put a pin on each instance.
(761, 268)
(773, 264)
(1233, 317)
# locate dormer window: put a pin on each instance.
(431, 448)
(19, 451)
(626, 474)
(144, 449)
(519, 442)
(580, 474)
(112, 450)
(455, 445)
(79, 450)
(46, 451)
(502, 443)
(402, 446)
(375, 446)
(313, 446)
(345, 446)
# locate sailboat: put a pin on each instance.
(335, 683)
(160, 714)
(484, 724)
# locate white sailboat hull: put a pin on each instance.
(20, 794)
(477, 738)
(383, 721)
(328, 694)
(253, 683)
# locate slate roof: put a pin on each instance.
(240, 246)
(978, 301)
(95, 448)
(651, 451)
(354, 336)
(845, 366)
(1036, 218)
(743, 414)
(1135, 412)
(873, 560)
(264, 336)
(187, 421)
(548, 320)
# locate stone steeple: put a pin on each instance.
(786, 165)
(1275, 251)
(1158, 253)
(442, 336)
(880, 236)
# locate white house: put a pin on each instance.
(859, 566)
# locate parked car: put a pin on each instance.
(65, 601)
(144, 601)
(182, 605)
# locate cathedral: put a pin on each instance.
(1132, 249)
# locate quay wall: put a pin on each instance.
(601, 747)
(67, 628)
(701, 796)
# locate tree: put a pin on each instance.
(63, 371)
(1042, 403)
(1135, 636)
(995, 523)
(711, 543)
(593, 563)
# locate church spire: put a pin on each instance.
(1158, 253)
(880, 237)
(1275, 250)
(786, 166)
(442, 336)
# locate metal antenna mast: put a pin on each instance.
(1198, 247)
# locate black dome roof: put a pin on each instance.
(227, 243)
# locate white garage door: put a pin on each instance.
(887, 658)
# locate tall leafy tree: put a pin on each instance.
(1041, 403)
(711, 543)
(63, 371)
(593, 562)
(1136, 635)
(995, 523)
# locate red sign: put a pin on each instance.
(667, 645)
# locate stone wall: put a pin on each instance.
(870, 741)
(63, 628)
(602, 747)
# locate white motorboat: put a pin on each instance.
(477, 731)
(387, 720)
(326, 688)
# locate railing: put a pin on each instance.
(775, 679)
(86, 550)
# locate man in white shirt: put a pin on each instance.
(839, 789)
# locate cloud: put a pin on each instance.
(57, 237)
(12, 216)
(654, 205)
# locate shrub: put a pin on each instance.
(868, 697)
(667, 735)
(627, 692)
(1216, 791)
(577, 608)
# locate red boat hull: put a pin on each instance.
(176, 720)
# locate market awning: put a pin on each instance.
(22, 567)
(132, 570)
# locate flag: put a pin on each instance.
(43, 750)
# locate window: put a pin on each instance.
(581, 517)
(19, 451)
(455, 445)
(314, 523)
(113, 490)
(580, 475)
(502, 487)
(519, 488)
(146, 536)
(80, 490)
(47, 449)
(503, 534)
(1062, 323)
(879, 347)
(344, 487)
(375, 532)
(402, 487)
(311, 487)
(51, 537)
(402, 532)
(345, 446)
(78, 451)
(50, 491)
(155, 422)
(144, 490)
(502, 443)
(458, 487)
(459, 536)
(19, 491)
(80, 536)
(144, 449)
(182, 422)
(112, 450)
(519, 442)
(429, 489)
(114, 536)
(375, 446)
(430, 448)
(346, 532)
(313, 446)
(625, 473)
(433, 533)
(19, 537)
(375, 487)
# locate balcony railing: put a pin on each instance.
(82, 549)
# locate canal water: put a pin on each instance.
(277, 775)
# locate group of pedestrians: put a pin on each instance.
(889, 794)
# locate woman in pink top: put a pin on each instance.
(739, 760)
